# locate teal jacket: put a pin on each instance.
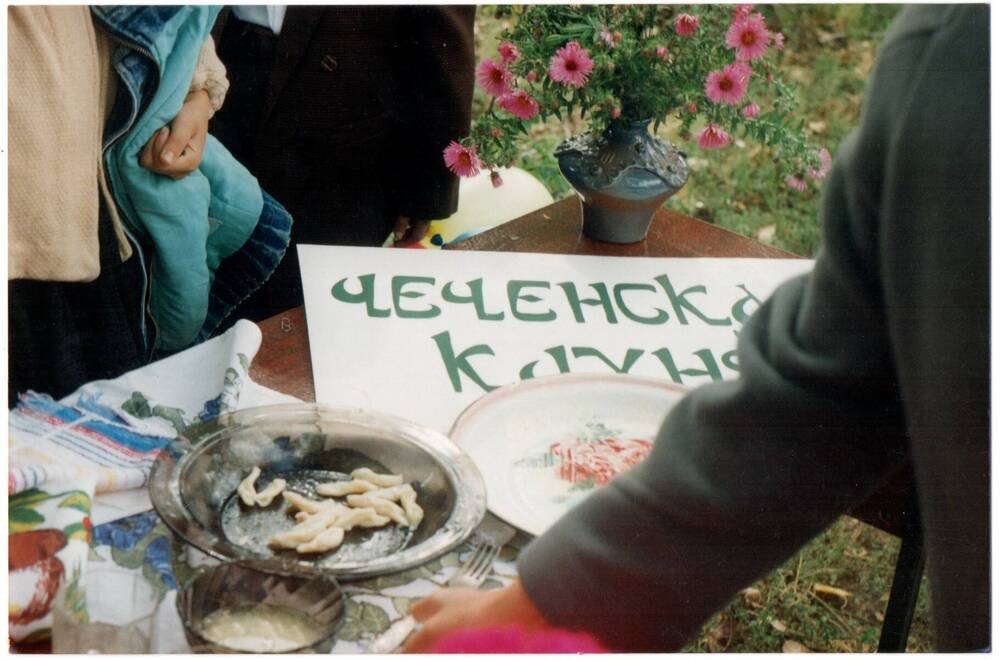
(189, 226)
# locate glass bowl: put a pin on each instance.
(310, 603)
(193, 485)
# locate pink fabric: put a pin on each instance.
(513, 639)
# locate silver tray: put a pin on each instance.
(193, 485)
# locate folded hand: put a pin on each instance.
(176, 149)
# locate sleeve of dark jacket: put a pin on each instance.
(882, 348)
(436, 64)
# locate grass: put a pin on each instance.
(829, 53)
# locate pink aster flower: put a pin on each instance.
(495, 78)
(692, 108)
(743, 70)
(571, 65)
(825, 161)
(750, 111)
(461, 160)
(686, 24)
(727, 86)
(616, 112)
(741, 11)
(508, 52)
(531, 76)
(495, 179)
(795, 182)
(519, 104)
(779, 40)
(606, 36)
(662, 53)
(713, 137)
(749, 37)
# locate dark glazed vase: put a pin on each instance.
(622, 176)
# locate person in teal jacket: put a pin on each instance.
(193, 223)
(172, 249)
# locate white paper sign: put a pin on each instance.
(422, 334)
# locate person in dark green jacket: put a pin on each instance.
(880, 355)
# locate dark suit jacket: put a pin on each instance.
(344, 116)
(880, 355)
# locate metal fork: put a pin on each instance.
(490, 539)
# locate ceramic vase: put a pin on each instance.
(622, 177)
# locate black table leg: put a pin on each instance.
(904, 592)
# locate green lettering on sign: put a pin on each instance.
(400, 281)
(366, 295)
(739, 311)
(514, 296)
(602, 299)
(680, 303)
(456, 365)
(659, 318)
(677, 375)
(558, 354)
(631, 355)
(475, 297)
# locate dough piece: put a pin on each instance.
(325, 541)
(392, 494)
(384, 507)
(325, 505)
(341, 488)
(364, 517)
(307, 530)
(414, 513)
(306, 505)
(246, 490)
(266, 496)
(381, 480)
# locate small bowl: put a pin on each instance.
(193, 485)
(238, 585)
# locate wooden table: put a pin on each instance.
(283, 362)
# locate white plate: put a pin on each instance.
(542, 444)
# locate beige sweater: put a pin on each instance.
(60, 90)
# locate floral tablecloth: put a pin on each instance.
(63, 517)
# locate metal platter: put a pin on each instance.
(193, 485)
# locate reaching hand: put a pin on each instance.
(409, 231)
(448, 610)
(175, 150)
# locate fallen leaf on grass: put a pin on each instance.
(828, 592)
(720, 635)
(752, 597)
(791, 646)
(777, 624)
(842, 646)
(766, 233)
(818, 126)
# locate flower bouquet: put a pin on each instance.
(624, 68)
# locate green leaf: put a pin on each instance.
(78, 500)
(134, 556)
(29, 498)
(397, 579)
(173, 415)
(76, 531)
(362, 620)
(402, 604)
(23, 519)
(137, 406)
